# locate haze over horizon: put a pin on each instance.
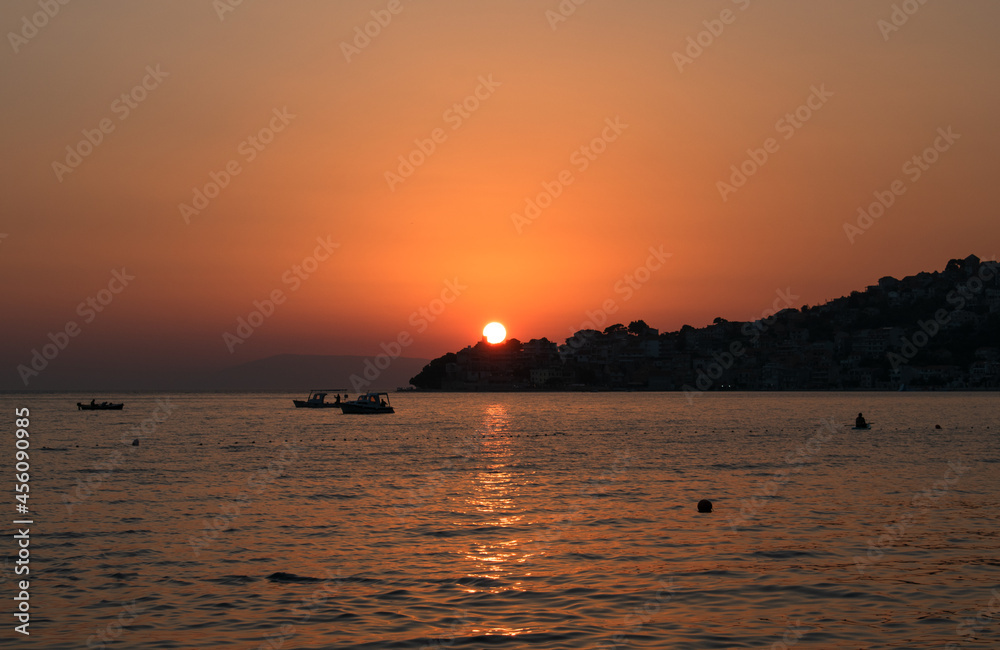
(175, 167)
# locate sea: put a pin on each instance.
(507, 520)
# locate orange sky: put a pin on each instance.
(546, 89)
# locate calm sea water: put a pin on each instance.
(514, 521)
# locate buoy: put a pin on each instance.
(135, 443)
(937, 426)
(704, 506)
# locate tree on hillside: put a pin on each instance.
(638, 327)
(434, 373)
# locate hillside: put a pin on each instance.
(933, 330)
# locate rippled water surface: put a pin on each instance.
(514, 521)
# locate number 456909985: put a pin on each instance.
(21, 458)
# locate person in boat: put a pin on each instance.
(383, 403)
(93, 402)
(337, 400)
(860, 423)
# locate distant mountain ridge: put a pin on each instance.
(282, 372)
(301, 371)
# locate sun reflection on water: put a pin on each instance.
(493, 501)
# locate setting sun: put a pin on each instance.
(495, 333)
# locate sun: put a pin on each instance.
(495, 333)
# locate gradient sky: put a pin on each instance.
(324, 174)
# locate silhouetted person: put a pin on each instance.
(93, 402)
(337, 401)
(860, 423)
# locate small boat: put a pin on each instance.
(864, 428)
(317, 399)
(103, 406)
(368, 403)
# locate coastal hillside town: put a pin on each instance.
(931, 331)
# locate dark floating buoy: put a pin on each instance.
(704, 506)
(135, 443)
(937, 426)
